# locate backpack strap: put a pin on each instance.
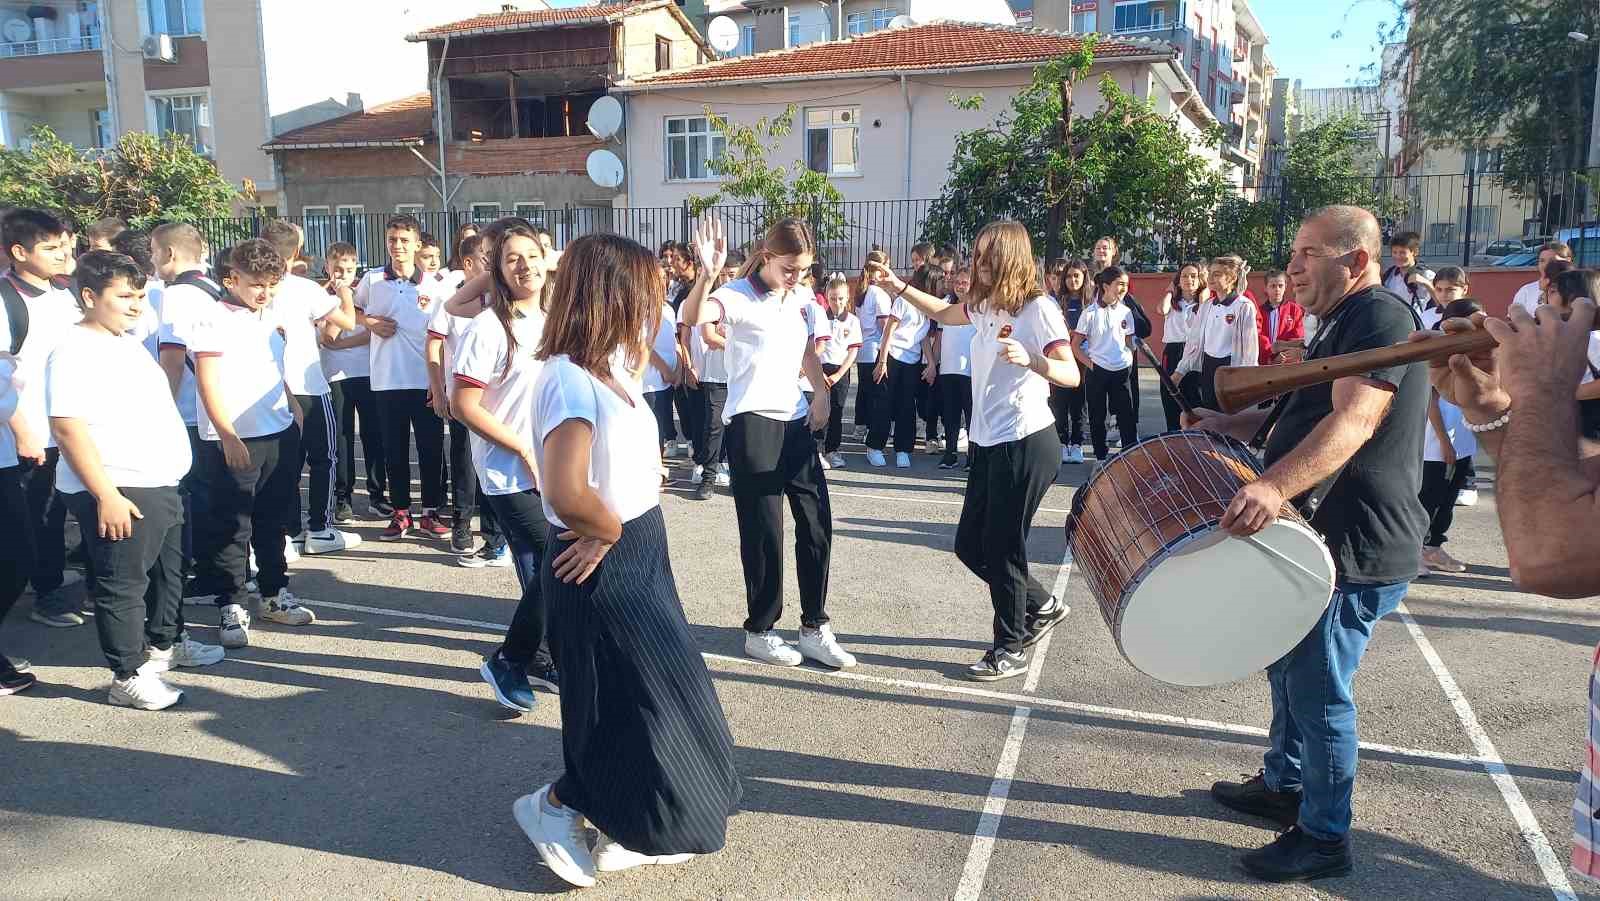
(16, 314)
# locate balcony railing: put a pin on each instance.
(54, 45)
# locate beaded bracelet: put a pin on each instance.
(1488, 426)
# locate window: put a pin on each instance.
(101, 122)
(532, 210)
(408, 209)
(1085, 22)
(318, 225)
(663, 54)
(833, 139)
(1140, 15)
(794, 30)
(485, 212)
(855, 23)
(747, 41)
(177, 17)
(1483, 159)
(1221, 102)
(188, 115)
(882, 17)
(1224, 56)
(691, 145)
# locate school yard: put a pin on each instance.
(362, 757)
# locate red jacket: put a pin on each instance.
(1291, 326)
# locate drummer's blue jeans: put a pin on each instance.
(1313, 731)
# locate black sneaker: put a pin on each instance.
(1297, 857)
(996, 665)
(543, 674)
(343, 514)
(706, 490)
(1253, 797)
(11, 683)
(17, 664)
(948, 462)
(1046, 619)
(382, 508)
(461, 538)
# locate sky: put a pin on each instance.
(1301, 41)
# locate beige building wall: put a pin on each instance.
(639, 33)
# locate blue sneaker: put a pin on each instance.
(509, 683)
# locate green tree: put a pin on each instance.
(1125, 170)
(754, 193)
(143, 179)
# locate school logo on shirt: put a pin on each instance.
(1228, 319)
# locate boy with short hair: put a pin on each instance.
(397, 313)
(39, 247)
(1403, 250)
(347, 364)
(1282, 323)
(249, 429)
(124, 452)
(302, 308)
(16, 552)
(102, 234)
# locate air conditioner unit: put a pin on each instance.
(159, 48)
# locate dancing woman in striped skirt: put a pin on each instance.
(649, 760)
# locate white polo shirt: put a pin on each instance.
(955, 349)
(905, 345)
(507, 393)
(767, 335)
(184, 304)
(1175, 326)
(51, 312)
(1528, 297)
(877, 303)
(624, 465)
(665, 344)
(843, 334)
(711, 363)
(1010, 402)
(111, 383)
(1106, 331)
(298, 305)
(1461, 438)
(452, 331)
(148, 329)
(251, 349)
(1217, 330)
(398, 363)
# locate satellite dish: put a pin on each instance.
(605, 117)
(901, 22)
(605, 169)
(723, 33)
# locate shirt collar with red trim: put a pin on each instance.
(24, 287)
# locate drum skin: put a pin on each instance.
(1187, 603)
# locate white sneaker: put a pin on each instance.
(1066, 454)
(836, 460)
(820, 645)
(235, 626)
(558, 835)
(331, 541)
(902, 461)
(290, 555)
(875, 458)
(769, 647)
(826, 463)
(611, 857)
(961, 442)
(286, 609)
(1467, 497)
(723, 480)
(696, 473)
(935, 446)
(1075, 454)
(145, 691)
(185, 652)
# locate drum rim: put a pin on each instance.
(1082, 495)
(1149, 566)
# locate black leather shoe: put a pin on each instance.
(706, 490)
(1297, 857)
(1253, 797)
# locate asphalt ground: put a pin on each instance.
(362, 757)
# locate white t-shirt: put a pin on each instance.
(121, 394)
(298, 304)
(251, 350)
(398, 363)
(1594, 358)
(507, 394)
(905, 344)
(1106, 331)
(955, 349)
(452, 330)
(8, 395)
(349, 362)
(665, 344)
(1461, 438)
(1008, 401)
(50, 314)
(767, 337)
(624, 465)
(843, 334)
(183, 306)
(876, 304)
(711, 363)
(1528, 297)
(1179, 320)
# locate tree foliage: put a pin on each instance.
(764, 192)
(143, 179)
(1125, 170)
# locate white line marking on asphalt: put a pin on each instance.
(1555, 875)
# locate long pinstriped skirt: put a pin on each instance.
(648, 754)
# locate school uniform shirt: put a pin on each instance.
(1225, 330)
(1461, 438)
(1594, 359)
(1011, 402)
(452, 331)
(1284, 322)
(665, 344)
(905, 345)
(1106, 331)
(441, 285)
(955, 348)
(1431, 316)
(1528, 297)
(844, 334)
(122, 396)
(251, 350)
(873, 307)
(767, 336)
(624, 465)
(1394, 278)
(508, 393)
(148, 329)
(398, 363)
(51, 311)
(298, 305)
(8, 395)
(184, 305)
(1178, 322)
(349, 362)
(818, 328)
(710, 362)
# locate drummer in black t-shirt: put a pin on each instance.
(1356, 444)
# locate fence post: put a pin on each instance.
(1283, 216)
(1466, 240)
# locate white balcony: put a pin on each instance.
(51, 46)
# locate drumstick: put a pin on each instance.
(1256, 540)
(1166, 380)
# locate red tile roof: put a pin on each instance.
(937, 45)
(394, 124)
(534, 19)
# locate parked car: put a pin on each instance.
(1585, 250)
(1494, 250)
(1520, 258)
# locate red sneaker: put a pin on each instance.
(431, 527)
(399, 525)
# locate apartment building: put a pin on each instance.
(228, 75)
(766, 25)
